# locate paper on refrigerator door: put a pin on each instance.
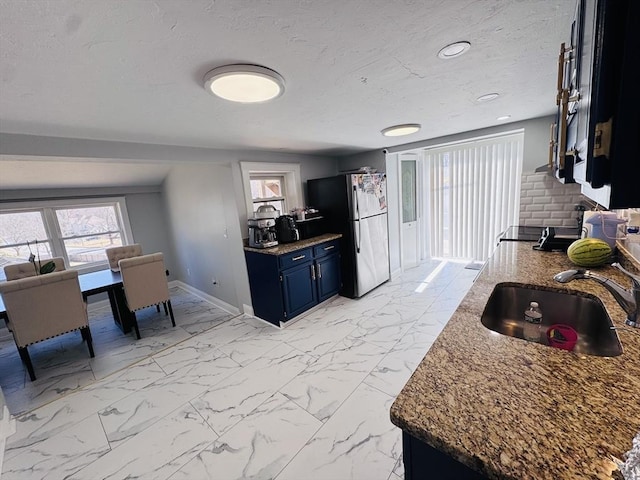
(371, 194)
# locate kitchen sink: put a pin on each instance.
(583, 312)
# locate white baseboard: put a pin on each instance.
(206, 297)
(248, 309)
(92, 307)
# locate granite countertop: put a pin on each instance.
(513, 409)
(292, 247)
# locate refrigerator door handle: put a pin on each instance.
(355, 194)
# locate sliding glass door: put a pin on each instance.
(474, 194)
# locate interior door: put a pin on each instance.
(409, 199)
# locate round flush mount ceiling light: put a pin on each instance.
(244, 83)
(400, 130)
(454, 50)
(503, 117)
(487, 97)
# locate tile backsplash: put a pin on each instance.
(544, 201)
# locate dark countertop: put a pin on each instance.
(519, 233)
(292, 247)
(520, 410)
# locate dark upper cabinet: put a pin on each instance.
(596, 138)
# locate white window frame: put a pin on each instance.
(283, 190)
(292, 184)
(52, 229)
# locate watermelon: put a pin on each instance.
(589, 252)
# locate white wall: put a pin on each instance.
(536, 140)
(393, 216)
(374, 158)
(202, 211)
(202, 200)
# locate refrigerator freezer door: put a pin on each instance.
(369, 194)
(372, 261)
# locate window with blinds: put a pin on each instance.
(474, 194)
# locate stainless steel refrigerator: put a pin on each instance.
(355, 205)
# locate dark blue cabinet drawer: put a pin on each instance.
(295, 258)
(328, 248)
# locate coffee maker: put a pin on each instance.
(262, 232)
(286, 229)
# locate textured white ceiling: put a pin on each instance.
(131, 70)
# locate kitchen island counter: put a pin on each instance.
(513, 409)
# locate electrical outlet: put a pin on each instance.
(189, 272)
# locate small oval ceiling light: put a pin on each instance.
(503, 117)
(244, 83)
(400, 130)
(487, 97)
(453, 50)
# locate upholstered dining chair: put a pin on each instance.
(42, 307)
(115, 254)
(17, 271)
(145, 284)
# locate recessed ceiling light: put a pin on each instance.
(454, 50)
(244, 83)
(503, 117)
(487, 97)
(400, 130)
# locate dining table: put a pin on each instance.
(94, 283)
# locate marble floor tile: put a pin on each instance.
(128, 417)
(156, 453)
(237, 327)
(322, 387)
(388, 325)
(396, 367)
(49, 420)
(318, 334)
(63, 365)
(231, 400)
(398, 470)
(245, 350)
(60, 455)
(368, 304)
(357, 442)
(52, 385)
(258, 447)
(309, 400)
(113, 360)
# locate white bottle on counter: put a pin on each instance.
(532, 323)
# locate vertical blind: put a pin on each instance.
(474, 195)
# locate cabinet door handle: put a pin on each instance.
(330, 247)
(299, 257)
(313, 272)
(319, 271)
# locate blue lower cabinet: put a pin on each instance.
(283, 286)
(299, 289)
(328, 276)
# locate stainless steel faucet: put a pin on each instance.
(629, 299)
